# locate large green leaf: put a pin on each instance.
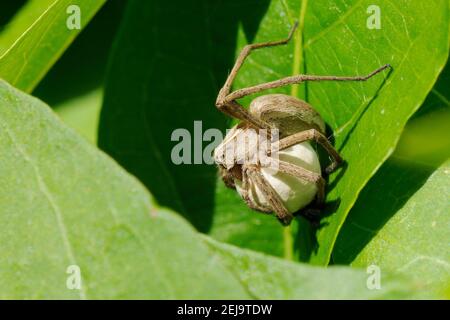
(422, 147)
(172, 81)
(267, 277)
(37, 37)
(65, 203)
(414, 240)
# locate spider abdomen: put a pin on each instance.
(288, 114)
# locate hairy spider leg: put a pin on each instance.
(271, 195)
(226, 100)
(313, 134)
(233, 108)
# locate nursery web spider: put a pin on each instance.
(297, 122)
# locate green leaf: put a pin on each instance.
(81, 113)
(37, 37)
(172, 81)
(395, 184)
(73, 87)
(65, 203)
(429, 127)
(21, 21)
(237, 224)
(8, 9)
(367, 131)
(267, 277)
(82, 67)
(402, 226)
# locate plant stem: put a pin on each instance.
(288, 243)
(298, 47)
(288, 240)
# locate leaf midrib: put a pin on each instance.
(288, 239)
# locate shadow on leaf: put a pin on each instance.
(169, 62)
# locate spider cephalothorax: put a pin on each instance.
(278, 172)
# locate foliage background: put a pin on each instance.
(133, 76)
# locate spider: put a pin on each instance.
(298, 178)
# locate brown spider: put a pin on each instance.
(297, 122)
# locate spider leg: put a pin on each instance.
(313, 134)
(295, 80)
(227, 178)
(271, 195)
(246, 185)
(307, 175)
(232, 107)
